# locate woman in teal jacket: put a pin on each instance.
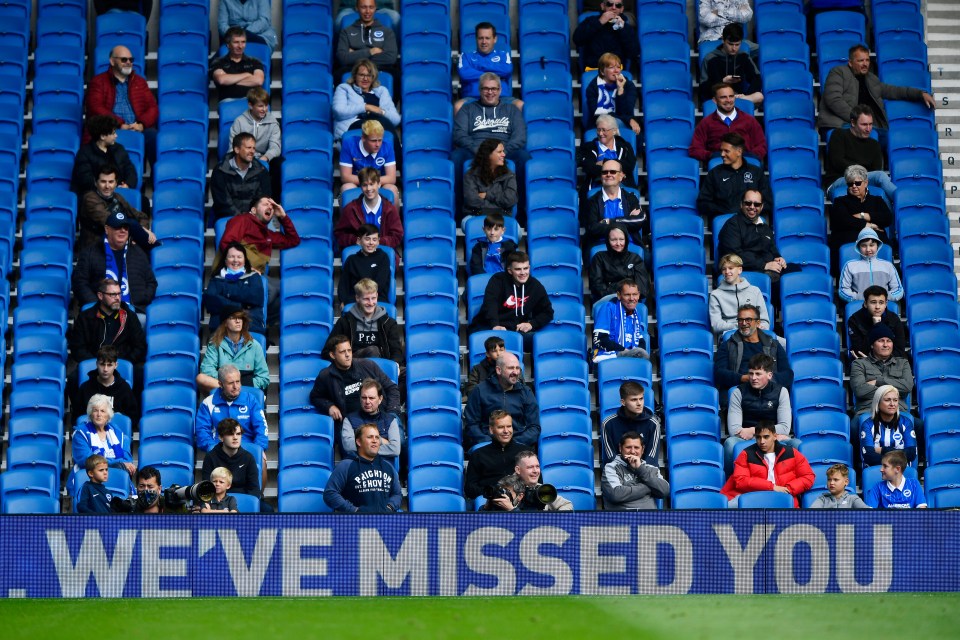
(232, 344)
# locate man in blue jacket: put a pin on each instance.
(503, 390)
(486, 57)
(368, 484)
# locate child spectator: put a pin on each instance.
(105, 380)
(895, 491)
(494, 346)
(93, 495)
(230, 454)
(863, 320)
(868, 270)
(222, 480)
(837, 496)
(617, 263)
(372, 209)
(370, 151)
(370, 262)
(487, 255)
(265, 129)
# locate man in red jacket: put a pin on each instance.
(120, 92)
(769, 465)
(726, 119)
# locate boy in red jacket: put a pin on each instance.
(769, 465)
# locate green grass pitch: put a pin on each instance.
(826, 617)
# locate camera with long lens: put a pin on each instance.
(493, 492)
(176, 498)
(537, 497)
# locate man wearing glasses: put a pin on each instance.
(489, 117)
(724, 185)
(607, 32)
(750, 237)
(731, 367)
(613, 204)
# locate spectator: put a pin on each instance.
(372, 332)
(222, 480)
(369, 209)
(371, 262)
(857, 210)
(528, 469)
(493, 348)
(117, 259)
(253, 16)
(388, 424)
(489, 186)
(503, 390)
(628, 482)
(514, 301)
(259, 122)
(366, 39)
(102, 150)
(238, 178)
(723, 187)
(608, 32)
(485, 58)
(727, 63)
(489, 117)
(611, 203)
(715, 15)
(750, 237)
(121, 93)
(847, 86)
(386, 8)
(761, 399)
(617, 263)
(98, 436)
(494, 461)
(108, 323)
(368, 484)
(234, 283)
(487, 254)
(608, 146)
(372, 150)
(854, 146)
(733, 355)
(230, 454)
(104, 380)
(97, 205)
(886, 429)
(631, 417)
(618, 327)
(895, 491)
(232, 343)
(874, 312)
(731, 295)
(94, 496)
(837, 496)
(235, 73)
(726, 119)
(769, 465)
(336, 391)
(612, 94)
(880, 368)
(869, 269)
(363, 98)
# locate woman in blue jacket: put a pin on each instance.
(98, 436)
(234, 283)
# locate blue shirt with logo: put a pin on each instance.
(353, 155)
(909, 496)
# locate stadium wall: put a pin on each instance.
(752, 552)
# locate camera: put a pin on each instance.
(493, 492)
(537, 497)
(174, 499)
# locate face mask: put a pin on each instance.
(147, 498)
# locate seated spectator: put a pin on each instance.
(366, 39)
(854, 147)
(489, 117)
(485, 58)
(514, 301)
(372, 150)
(370, 209)
(489, 186)
(121, 93)
(102, 150)
(94, 496)
(336, 391)
(610, 31)
(369, 483)
(760, 399)
(715, 15)
(617, 263)
(98, 436)
(385, 7)
(118, 259)
(259, 122)
(528, 470)
(230, 454)
(723, 187)
(493, 347)
(611, 203)
(733, 292)
(869, 269)
(236, 73)
(363, 98)
(238, 178)
(628, 482)
(105, 381)
(608, 146)
(371, 262)
(731, 365)
(837, 496)
(102, 202)
(372, 332)
(895, 490)
(856, 211)
(769, 465)
(487, 255)
(631, 417)
(490, 463)
(885, 428)
(880, 368)
(618, 327)
(232, 344)
(234, 283)
(727, 63)
(751, 237)
(505, 390)
(726, 119)
(222, 480)
(388, 424)
(253, 16)
(612, 94)
(109, 322)
(863, 320)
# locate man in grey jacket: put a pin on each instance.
(628, 483)
(489, 117)
(880, 367)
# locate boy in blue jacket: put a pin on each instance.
(94, 497)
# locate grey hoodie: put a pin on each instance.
(726, 299)
(266, 132)
(848, 501)
(379, 331)
(474, 123)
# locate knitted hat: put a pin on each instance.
(879, 330)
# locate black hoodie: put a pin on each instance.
(507, 304)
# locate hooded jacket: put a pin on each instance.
(627, 489)
(266, 132)
(647, 424)
(863, 272)
(517, 401)
(475, 122)
(363, 486)
(360, 265)
(507, 303)
(608, 268)
(790, 468)
(726, 300)
(379, 331)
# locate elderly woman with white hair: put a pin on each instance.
(852, 213)
(98, 436)
(608, 145)
(886, 428)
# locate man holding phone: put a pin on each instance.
(729, 63)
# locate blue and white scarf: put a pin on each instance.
(628, 328)
(113, 271)
(605, 97)
(111, 449)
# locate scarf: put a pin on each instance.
(113, 271)
(231, 274)
(111, 449)
(627, 327)
(604, 154)
(605, 97)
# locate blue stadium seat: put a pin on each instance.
(306, 453)
(699, 500)
(173, 459)
(300, 490)
(695, 479)
(435, 426)
(942, 486)
(157, 426)
(688, 452)
(424, 399)
(564, 452)
(693, 398)
(435, 453)
(765, 500)
(694, 427)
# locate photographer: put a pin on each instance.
(505, 496)
(490, 463)
(528, 470)
(149, 498)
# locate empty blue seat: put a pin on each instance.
(172, 458)
(765, 500)
(435, 453)
(699, 500)
(695, 479)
